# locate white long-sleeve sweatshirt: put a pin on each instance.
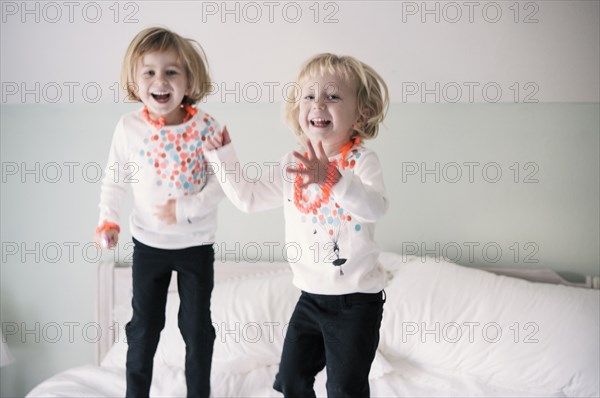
(160, 164)
(348, 219)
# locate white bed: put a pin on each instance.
(447, 331)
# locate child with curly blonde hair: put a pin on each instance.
(332, 195)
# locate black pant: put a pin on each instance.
(152, 270)
(341, 332)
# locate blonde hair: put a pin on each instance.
(188, 51)
(371, 91)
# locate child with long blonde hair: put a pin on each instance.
(158, 151)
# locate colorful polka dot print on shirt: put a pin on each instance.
(330, 218)
(176, 154)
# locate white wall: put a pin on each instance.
(553, 44)
(543, 138)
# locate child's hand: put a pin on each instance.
(316, 167)
(167, 212)
(107, 239)
(220, 139)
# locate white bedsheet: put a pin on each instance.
(107, 381)
(403, 381)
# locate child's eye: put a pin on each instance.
(172, 72)
(333, 97)
(149, 73)
(309, 97)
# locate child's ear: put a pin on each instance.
(361, 120)
(187, 95)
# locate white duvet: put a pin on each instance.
(448, 331)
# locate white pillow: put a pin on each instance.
(506, 331)
(250, 315)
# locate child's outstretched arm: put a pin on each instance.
(248, 196)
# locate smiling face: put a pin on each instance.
(328, 111)
(162, 84)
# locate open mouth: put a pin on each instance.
(161, 97)
(320, 122)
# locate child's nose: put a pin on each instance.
(162, 79)
(319, 102)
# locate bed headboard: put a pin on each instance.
(105, 303)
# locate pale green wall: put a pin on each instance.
(557, 215)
